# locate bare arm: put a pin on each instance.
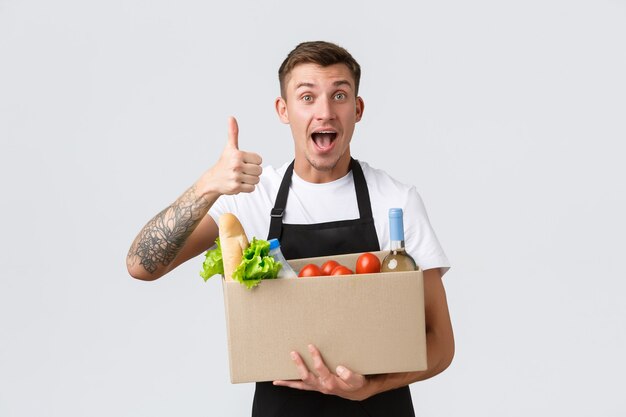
(345, 383)
(172, 237)
(183, 229)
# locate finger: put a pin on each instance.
(243, 188)
(303, 370)
(318, 363)
(252, 169)
(349, 377)
(251, 158)
(233, 133)
(294, 384)
(249, 179)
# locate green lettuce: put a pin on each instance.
(256, 264)
(213, 264)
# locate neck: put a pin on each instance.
(397, 244)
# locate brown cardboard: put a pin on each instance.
(370, 323)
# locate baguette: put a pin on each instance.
(233, 240)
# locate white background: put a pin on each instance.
(509, 117)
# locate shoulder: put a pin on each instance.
(381, 181)
(272, 175)
(421, 241)
(386, 192)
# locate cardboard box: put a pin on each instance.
(370, 323)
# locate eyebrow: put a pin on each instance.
(300, 85)
(342, 82)
(336, 84)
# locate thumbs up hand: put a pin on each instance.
(235, 172)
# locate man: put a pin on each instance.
(324, 203)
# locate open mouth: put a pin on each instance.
(324, 139)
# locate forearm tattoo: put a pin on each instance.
(163, 237)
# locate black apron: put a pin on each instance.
(326, 239)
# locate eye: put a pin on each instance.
(340, 96)
(307, 98)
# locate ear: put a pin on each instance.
(360, 106)
(281, 110)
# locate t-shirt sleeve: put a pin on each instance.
(224, 204)
(420, 239)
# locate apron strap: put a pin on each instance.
(276, 222)
(362, 197)
(362, 193)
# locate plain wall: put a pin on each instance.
(509, 117)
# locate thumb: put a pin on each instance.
(233, 133)
(351, 378)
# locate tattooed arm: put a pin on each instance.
(162, 239)
(183, 230)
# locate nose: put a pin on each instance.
(325, 110)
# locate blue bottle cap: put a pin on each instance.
(396, 225)
(274, 243)
(395, 212)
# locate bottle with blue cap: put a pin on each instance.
(286, 271)
(397, 259)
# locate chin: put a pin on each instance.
(324, 164)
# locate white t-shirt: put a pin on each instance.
(310, 203)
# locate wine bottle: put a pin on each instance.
(397, 259)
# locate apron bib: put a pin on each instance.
(326, 239)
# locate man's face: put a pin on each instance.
(321, 107)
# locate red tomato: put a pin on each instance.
(367, 263)
(328, 266)
(342, 270)
(310, 270)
